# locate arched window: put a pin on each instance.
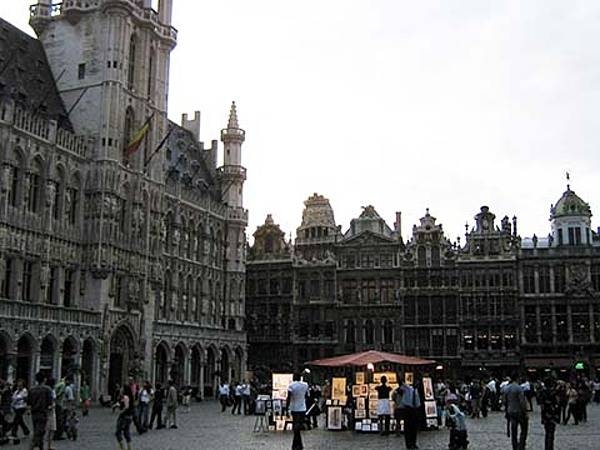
(388, 332)
(33, 187)
(435, 256)
(350, 332)
(132, 57)
(184, 237)
(14, 177)
(127, 131)
(162, 311)
(72, 201)
(199, 300)
(369, 332)
(421, 256)
(151, 72)
(200, 243)
(182, 298)
(189, 310)
(59, 188)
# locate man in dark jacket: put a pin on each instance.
(40, 401)
(549, 401)
(516, 412)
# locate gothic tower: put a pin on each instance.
(110, 59)
(231, 177)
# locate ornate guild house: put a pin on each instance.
(122, 241)
(494, 303)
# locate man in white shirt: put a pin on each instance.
(296, 401)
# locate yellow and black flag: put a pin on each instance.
(138, 137)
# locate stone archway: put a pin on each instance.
(5, 356)
(88, 371)
(69, 363)
(196, 367)
(48, 349)
(210, 372)
(178, 367)
(161, 364)
(122, 356)
(24, 369)
(225, 365)
(238, 372)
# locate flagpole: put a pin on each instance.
(160, 145)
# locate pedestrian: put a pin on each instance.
(596, 390)
(40, 400)
(187, 398)
(516, 412)
(125, 406)
(144, 406)
(246, 394)
(171, 405)
(410, 405)
(60, 409)
(549, 402)
(5, 400)
(86, 398)
(51, 422)
(384, 408)
(19, 406)
(572, 397)
(312, 406)
(456, 422)
(158, 397)
(237, 398)
(223, 395)
(72, 426)
(528, 391)
(296, 401)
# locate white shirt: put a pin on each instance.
(297, 396)
(224, 390)
(246, 389)
(145, 396)
(492, 386)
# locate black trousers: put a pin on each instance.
(156, 414)
(517, 421)
(411, 425)
(19, 422)
(550, 428)
(298, 421)
(39, 420)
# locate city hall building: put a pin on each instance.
(494, 302)
(122, 243)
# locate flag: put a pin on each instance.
(138, 137)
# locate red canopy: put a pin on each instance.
(371, 356)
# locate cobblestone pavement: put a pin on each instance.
(206, 428)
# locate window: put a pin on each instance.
(560, 236)
(468, 341)
(26, 280)
(127, 132)
(544, 279)
(369, 332)
(51, 285)
(528, 280)
(596, 277)
(12, 182)
(350, 332)
(8, 269)
(68, 293)
(559, 278)
(71, 204)
(119, 290)
(574, 236)
(33, 189)
(388, 332)
(151, 73)
(132, 56)
(81, 71)
(530, 324)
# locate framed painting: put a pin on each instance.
(334, 418)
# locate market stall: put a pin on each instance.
(353, 388)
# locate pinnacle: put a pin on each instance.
(233, 120)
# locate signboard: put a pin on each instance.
(281, 381)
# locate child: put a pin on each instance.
(72, 425)
(455, 420)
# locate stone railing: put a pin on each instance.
(14, 309)
(232, 170)
(44, 129)
(239, 214)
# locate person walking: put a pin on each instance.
(384, 408)
(296, 401)
(410, 405)
(237, 399)
(550, 411)
(171, 406)
(40, 401)
(572, 397)
(246, 394)
(456, 422)
(144, 406)
(157, 407)
(86, 398)
(51, 422)
(516, 412)
(19, 406)
(125, 418)
(223, 395)
(60, 409)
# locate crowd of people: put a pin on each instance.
(53, 406)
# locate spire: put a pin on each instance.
(233, 120)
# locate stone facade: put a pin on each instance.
(495, 302)
(115, 262)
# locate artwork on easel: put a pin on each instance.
(334, 418)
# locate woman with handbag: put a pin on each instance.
(19, 406)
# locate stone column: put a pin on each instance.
(187, 367)
(201, 380)
(35, 366)
(57, 364)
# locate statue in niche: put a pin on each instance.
(50, 193)
(7, 177)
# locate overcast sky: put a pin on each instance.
(402, 104)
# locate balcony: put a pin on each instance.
(39, 312)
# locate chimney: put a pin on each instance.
(398, 223)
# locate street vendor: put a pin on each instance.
(384, 408)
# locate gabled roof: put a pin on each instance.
(367, 237)
(25, 75)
